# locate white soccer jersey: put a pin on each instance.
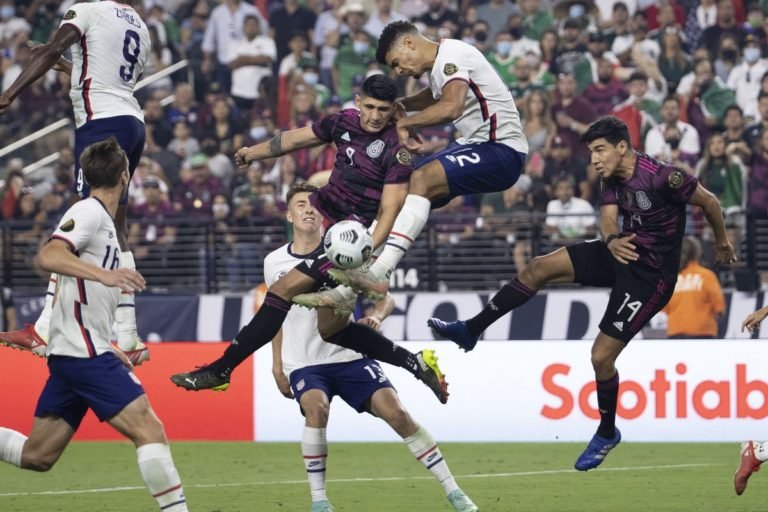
(83, 311)
(489, 110)
(108, 60)
(302, 344)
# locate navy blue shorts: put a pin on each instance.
(477, 168)
(128, 131)
(76, 384)
(355, 381)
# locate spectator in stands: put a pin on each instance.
(734, 133)
(10, 24)
(246, 198)
(646, 107)
(637, 37)
(569, 218)
(14, 183)
(723, 173)
(439, 15)
(728, 58)
(675, 155)
(291, 17)
(310, 75)
(586, 68)
(193, 197)
(252, 59)
(507, 215)
(159, 132)
(497, 14)
(43, 17)
(570, 51)
(697, 302)
(656, 144)
(562, 162)
(752, 131)
(674, 63)
(571, 113)
(192, 35)
(538, 125)
(524, 80)
(745, 78)
(151, 235)
(618, 23)
(225, 128)
(521, 44)
(381, 17)
(224, 28)
(607, 91)
(355, 51)
(548, 44)
(535, 19)
(726, 24)
(502, 60)
(183, 144)
(183, 106)
(708, 100)
(757, 202)
(219, 164)
(289, 175)
(159, 58)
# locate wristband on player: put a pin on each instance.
(610, 239)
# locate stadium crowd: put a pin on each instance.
(689, 77)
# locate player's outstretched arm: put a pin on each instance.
(43, 58)
(709, 204)
(418, 101)
(56, 257)
(447, 109)
(277, 366)
(392, 199)
(279, 145)
(753, 321)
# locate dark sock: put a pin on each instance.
(258, 332)
(607, 399)
(512, 295)
(363, 339)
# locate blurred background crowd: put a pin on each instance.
(689, 77)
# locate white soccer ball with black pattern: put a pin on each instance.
(348, 244)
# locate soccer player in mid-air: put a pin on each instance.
(86, 371)
(110, 45)
(318, 371)
(369, 181)
(639, 262)
(489, 157)
(753, 453)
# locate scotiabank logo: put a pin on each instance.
(671, 396)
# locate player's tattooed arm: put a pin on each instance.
(278, 145)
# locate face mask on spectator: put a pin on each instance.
(258, 132)
(220, 209)
(444, 33)
(468, 40)
(751, 54)
(576, 11)
(360, 47)
(673, 142)
(311, 79)
(481, 36)
(7, 11)
(516, 32)
(503, 47)
(729, 54)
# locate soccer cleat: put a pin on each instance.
(430, 374)
(749, 464)
(25, 339)
(364, 281)
(321, 506)
(332, 298)
(456, 331)
(461, 502)
(596, 451)
(202, 378)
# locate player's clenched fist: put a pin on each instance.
(241, 157)
(623, 249)
(753, 321)
(724, 253)
(126, 279)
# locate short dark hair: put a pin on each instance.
(762, 94)
(671, 97)
(735, 107)
(379, 87)
(103, 163)
(299, 187)
(389, 37)
(637, 75)
(610, 128)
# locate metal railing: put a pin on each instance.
(456, 252)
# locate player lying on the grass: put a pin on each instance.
(753, 453)
(110, 44)
(369, 180)
(464, 90)
(639, 262)
(86, 372)
(318, 371)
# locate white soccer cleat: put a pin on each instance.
(341, 304)
(461, 502)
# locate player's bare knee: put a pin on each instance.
(536, 273)
(399, 419)
(317, 413)
(419, 183)
(36, 461)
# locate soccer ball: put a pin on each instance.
(348, 244)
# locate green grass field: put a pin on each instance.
(248, 477)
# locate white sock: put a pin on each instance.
(43, 321)
(761, 450)
(11, 446)
(125, 315)
(408, 224)
(425, 449)
(160, 475)
(314, 447)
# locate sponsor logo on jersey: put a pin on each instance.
(642, 200)
(450, 69)
(68, 226)
(70, 14)
(404, 157)
(675, 179)
(375, 148)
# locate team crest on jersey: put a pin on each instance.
(69, 15)
(450, 69)
(375, 148)
(675, 179)
(642, 200)
(68, 226)
(404, 157)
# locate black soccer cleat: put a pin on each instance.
(430, 374)
(203, 378)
